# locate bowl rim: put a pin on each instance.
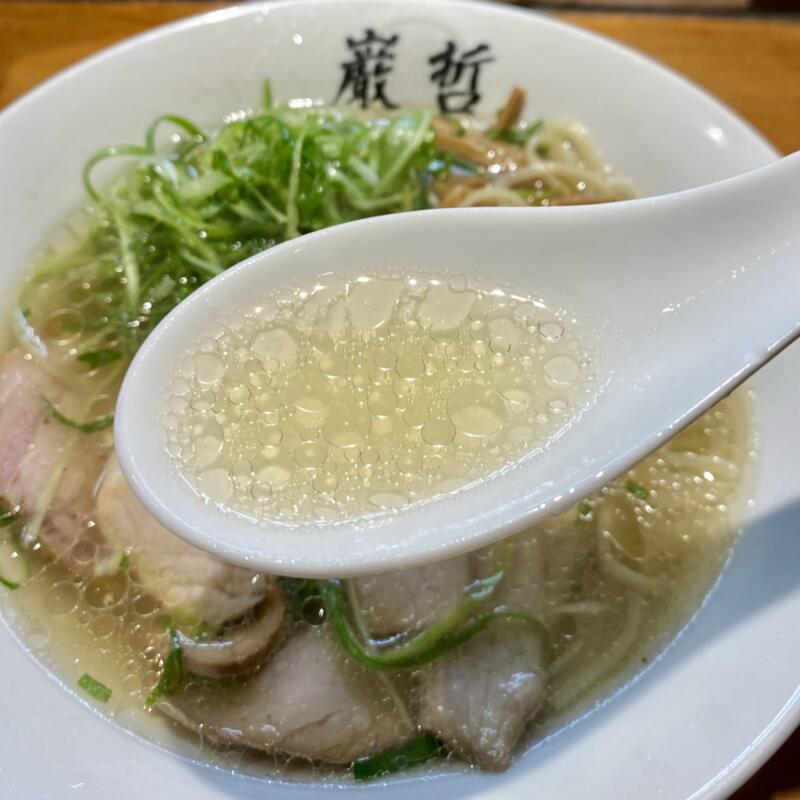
(244, 8)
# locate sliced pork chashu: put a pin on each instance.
(410, 599)
(40, 456)
(308, 700)
(195, 585)
(479, 698)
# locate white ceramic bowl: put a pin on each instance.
(724, 696)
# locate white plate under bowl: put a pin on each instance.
(726, 694)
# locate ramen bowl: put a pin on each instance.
(722, 697)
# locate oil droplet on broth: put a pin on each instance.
(476, 410)
(369, 395)
(562, 370)
(208, 369)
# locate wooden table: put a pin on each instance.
(751, 64)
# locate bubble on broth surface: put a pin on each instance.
(407, 369)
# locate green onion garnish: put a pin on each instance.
(445, 634)
(99, 424)
(396, 759)
(8, 515)
(173, 672)
(179, 215)
(519, 134)
(99, 358)
(94, 688)
(124, 562)
(299, 593)
(585, 511)
(637, 490)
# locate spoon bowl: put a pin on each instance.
(683, 296)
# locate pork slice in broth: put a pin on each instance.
(239, 648)
(542, 566)
(409, 599)
(39, 456)
(479, 698)
(566, 546)
(309, 700)
(194, 585)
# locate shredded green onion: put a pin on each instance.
(445, 634)
(99, 424)
(8, 515)
(299, 594)
(174, 217)
(519, 134)
(94, 688)
(171, 220)
(397, 759)
(637, 490)
(187, 125)
(99, 358)
(173, 672)
(102, 155)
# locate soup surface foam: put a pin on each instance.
(353, 396)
